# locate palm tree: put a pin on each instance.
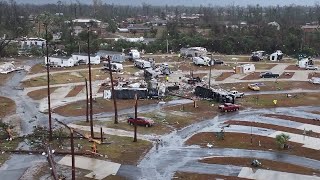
(282, 140)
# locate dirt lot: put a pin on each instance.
(272, 86)
(313, 74)
(224, 76)
(266, 164)
(266, 100)
(274, 127)
(7, 106)
(286, 75)
(194, 176)
(41, 68)
(293, 67)
(296, 119)
(252, 76)
(75, 91)
(4, 78)
(99, 105)
(243, 141)
(41, 93)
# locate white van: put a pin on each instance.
(314, 80)
(117, 67)
(134, 54)
(140, 63)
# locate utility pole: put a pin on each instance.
(113, 94)
(72, 156)
(90, 82)
(87, 98)
(211, 63)
(48, 82)
(135, 117)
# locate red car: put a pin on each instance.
(227, 107)
(141, 121)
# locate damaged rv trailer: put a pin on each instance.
(218, 95)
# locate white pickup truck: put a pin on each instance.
(236, 94)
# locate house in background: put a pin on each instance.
(114, 56)
(28, 43)
(60, 61)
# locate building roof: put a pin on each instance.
(86, 20)
(310, 27)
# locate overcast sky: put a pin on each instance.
(186, 2)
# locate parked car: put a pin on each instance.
(311, 67)
(254, 87)
(217, 61)
(141, 121)
(269, 75)
(314, 80)
(236, 94)
(227, 107)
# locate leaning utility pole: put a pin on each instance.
(87, 102)
(48, 82)
(90, 82)
(135, 118)
(113, 94)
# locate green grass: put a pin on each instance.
(121, 150)
(7, 145)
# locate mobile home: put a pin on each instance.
(83, 59)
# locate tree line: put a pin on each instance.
(222, 37)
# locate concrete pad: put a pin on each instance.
(308, 142)
(61, 92)
(100, 169)
(308, 127)
(262, 174)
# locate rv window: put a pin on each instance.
(248, 69)
(272, 57)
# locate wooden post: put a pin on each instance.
(72, 156)
(101, 134)
(113, 94)
(135, 118)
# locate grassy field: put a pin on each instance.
(265, 164)
(243, 141)
(167, 119)
(120, 150)
(195, 176)
(41, 68)
(272, 86)
(63, 78)
(266, 100)
(7, 145)
(99, 105)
